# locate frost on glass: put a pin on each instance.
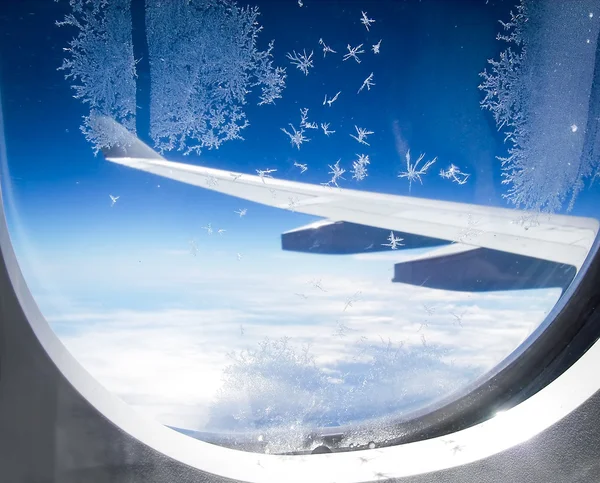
(100, 62)
(302, 61)
(336, 172)
(538, 92)
(281, 385)
(204, 61)
(359, 167)
(414, 171)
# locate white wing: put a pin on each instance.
(556, 238)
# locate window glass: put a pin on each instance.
(403, 191)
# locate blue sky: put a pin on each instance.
(89, 263)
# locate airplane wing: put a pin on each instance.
(492, 247)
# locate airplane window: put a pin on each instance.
(255, 223)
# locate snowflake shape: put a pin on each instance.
(413, 172)
(325, 127)
(351, 300)
(454, 174)
(336, 173)
(393, 241)
(332, 100)
(376, 47)
(303, 167)
(302, 61)
(304, 120)
(359, 167)
(458, 317)
(296, 136)
(366, 21)
(353, 53)
(429, 309)
(361, 135)
(265, 173)
(326, 48)
(368, 83)
(316, 283)
(342, 330)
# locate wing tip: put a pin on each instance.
(118, 142)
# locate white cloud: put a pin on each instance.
(169, 363)
(166, 350)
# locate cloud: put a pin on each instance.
(170, 363)
(169, 337)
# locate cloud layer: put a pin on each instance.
(244, 350)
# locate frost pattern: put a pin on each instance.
(326, 130)
(413, 172)
(361, 135)
(303, 61)
(455, 174)
(376, 47)
(366, 21)
(280, 385)
(393, 241)
(353, 53)
(336, 173)
(368, 83)
(100, 62)
(204, 61)
(303, 167)
(326, 48)
(359, 167)
(297, 137)
(304, 120)
(529, 89)
(332, 100)
(265, 173)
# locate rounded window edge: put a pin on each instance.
(516, 425)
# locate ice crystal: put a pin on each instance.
(359, 167)
(303, 61)
(325, 127)
(455, 174)
(204, 62)
(368, 83)
(393, 241)
(413, 172)
(332, 100)
(353, 53)
(265, 173)
(326, 48)
(336, 173)
(297, 137)
(303, 167)
(376, 47)
(361, 135)
(366, 21)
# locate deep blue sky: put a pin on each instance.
(119, 284)
(426, 85)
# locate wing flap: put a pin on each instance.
(483, 270)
